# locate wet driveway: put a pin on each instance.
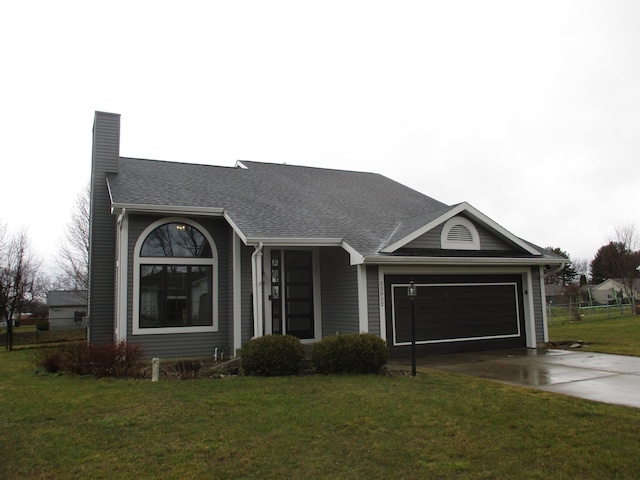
(595, 376)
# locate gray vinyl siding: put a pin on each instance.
(102, 229)
(431, 240)
(339, 281)
(488, 241)
(373, 299)
(196, 344)
(538, 304)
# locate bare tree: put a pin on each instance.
(626, 265)
(619, 261)
(20, 279)
(73, 256)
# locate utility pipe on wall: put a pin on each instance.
(256, 275)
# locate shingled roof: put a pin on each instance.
(266, 200)
(67, 298)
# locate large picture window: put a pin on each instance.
(175, 288)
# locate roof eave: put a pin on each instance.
(294, 241)
(468, 261)
(170, 209)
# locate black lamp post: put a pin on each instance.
(412, 292)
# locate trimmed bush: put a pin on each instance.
(42, 325)
(272, 356)
(363, 353)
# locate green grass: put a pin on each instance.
(619, 335)
(314, 427)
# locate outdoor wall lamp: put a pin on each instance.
(412, 293)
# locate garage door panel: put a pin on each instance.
(489, 309)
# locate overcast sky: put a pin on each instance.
(529, 111)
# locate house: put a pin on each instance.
(556, 294)
(187, 258)
(612, 292)
(67, 309)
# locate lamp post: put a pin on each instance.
(412, 292)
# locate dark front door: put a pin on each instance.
(292, 293)
(298, 293)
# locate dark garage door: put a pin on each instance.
(455, 313)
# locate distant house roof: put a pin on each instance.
(67, 298)
(371, 213)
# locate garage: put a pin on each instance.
(455, 313)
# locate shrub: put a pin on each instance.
(42, 325)
(118, 359)
(363, 353)
(188, 369)
(272, 355)
(50, 358)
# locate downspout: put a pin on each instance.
(121, 275)
(256, 275)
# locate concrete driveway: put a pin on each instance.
(600, 377)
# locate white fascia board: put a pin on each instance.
(482, 218)
(473, 212)
(169, 209)
(355, 257)
(422, 230)
(471, 261)
(294, 242)
(235, 228)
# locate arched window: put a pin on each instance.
(458, 233)
(174, 285)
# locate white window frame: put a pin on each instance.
(447, 244)
(139, 260)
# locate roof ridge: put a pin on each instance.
(172, 162)
(332, 169)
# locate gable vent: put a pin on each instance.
(459, 233)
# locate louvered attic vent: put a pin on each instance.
(459, 234)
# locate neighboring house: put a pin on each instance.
(67, 308)
(556, 294)
(611, 291)
(563, 295)
(188, 258)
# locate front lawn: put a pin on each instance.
(313, 427)
(620, 335)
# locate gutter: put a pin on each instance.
(465, 261)
(556, 270)
(168, 209)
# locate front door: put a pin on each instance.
(292, 293)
